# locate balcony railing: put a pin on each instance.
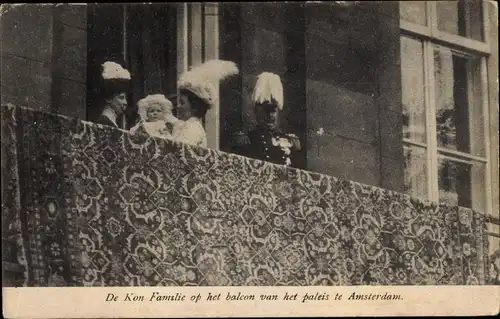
(87, 205)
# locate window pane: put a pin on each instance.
(463, 18)
(415, 171)
(462, 184)
(412, 79)
(459, 111)
(413, 11)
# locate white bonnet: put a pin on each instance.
(114, 71)
(154, 99)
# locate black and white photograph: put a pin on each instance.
(282, 144)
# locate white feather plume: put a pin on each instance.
(268, 88)
(212, 71)
(203, 79)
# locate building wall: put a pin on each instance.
(345, 79)
(27, 56)
(353, 93)
(43, 53)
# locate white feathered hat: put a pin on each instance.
(202, 80)
(114, 71)
(154, 99)
(268, 89)
(115, 78)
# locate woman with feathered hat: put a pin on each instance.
(114, 88)
(198, 92)
(266, 141)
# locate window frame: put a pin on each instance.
(430, 36)
(431, 32)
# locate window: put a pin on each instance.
(444, 52)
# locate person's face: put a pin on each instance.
(155, 113)
(185, 112)
(267, 114)
(118, 103)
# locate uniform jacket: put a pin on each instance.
(270, 145)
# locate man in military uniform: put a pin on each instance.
(266, 142)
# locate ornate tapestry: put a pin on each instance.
(98, 206)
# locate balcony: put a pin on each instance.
(88, 205)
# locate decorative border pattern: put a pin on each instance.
(104, 208)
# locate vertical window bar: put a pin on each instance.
(430, 106)
(432, 164)
(210, 47)
(195, 33)
(203, 42)
(182, 40)
(485, 107)
(486, 128)
(183, 33)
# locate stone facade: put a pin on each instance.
(44, 57)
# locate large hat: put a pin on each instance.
(114, 71)
(268, 89)
(115, 78)
(154, 99)
(202, 80)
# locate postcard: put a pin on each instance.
(319, 158)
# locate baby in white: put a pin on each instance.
(156, 116)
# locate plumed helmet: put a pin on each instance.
(268, 89)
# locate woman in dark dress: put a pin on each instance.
(115, 85)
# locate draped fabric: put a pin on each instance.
(100, 207)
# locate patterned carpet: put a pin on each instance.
(98, 207)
